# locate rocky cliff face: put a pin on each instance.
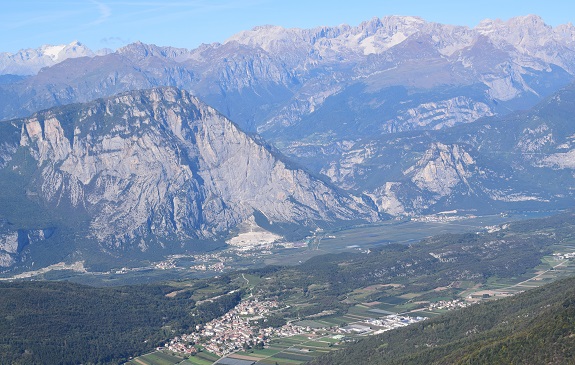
(441, 168)
(438, 115)
(524, 161)
(160, 168)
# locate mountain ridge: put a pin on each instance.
(290, 58)
(157, 168)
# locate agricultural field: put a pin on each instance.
(168, 358)
(156, 358)
(292, 350)
(196, 360)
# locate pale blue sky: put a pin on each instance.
(188, 23)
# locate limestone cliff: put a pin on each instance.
(158, 167)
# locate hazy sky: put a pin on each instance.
(188, 23)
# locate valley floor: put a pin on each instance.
(235, 338)
(258, 253)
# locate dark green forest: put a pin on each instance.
(66, 323)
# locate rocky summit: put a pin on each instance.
(147, 170)
(30, 61)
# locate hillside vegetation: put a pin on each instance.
(535, 327)
(66, 323)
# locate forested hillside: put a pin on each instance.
(66, 323)
(535, 327)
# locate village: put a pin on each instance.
(241, 329)
(448, 304)
(235, 330)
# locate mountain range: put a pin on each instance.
(394, 117)
(271, 78)
(522, 161)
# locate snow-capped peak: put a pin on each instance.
(30, 61)
(53, 51)
(372, 36)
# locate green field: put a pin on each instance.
(207, 356)
(278, 361)
(194, 360)
(157, 358)
(330, 339)
(262, 353)
(294, 350)
(310, 323)
(162, 358)
(316, 344)
(332, 321)
(280, 346)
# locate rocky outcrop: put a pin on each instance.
(13, 241)
(158, 167)
(441, 168)
(438, 115)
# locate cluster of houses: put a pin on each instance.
(218, 267)
(165, 265)
(564, 256)
(234, 331)
(211, 262)
(176, 345)
(448, 304)
(451, 216)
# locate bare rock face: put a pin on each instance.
(14, 241)
(441, 168)
(158, 167)
(438, 115)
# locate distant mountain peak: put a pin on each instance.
(522, 19)
(140, 50)
(513, 25)
(403, 19)
(30, 61)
